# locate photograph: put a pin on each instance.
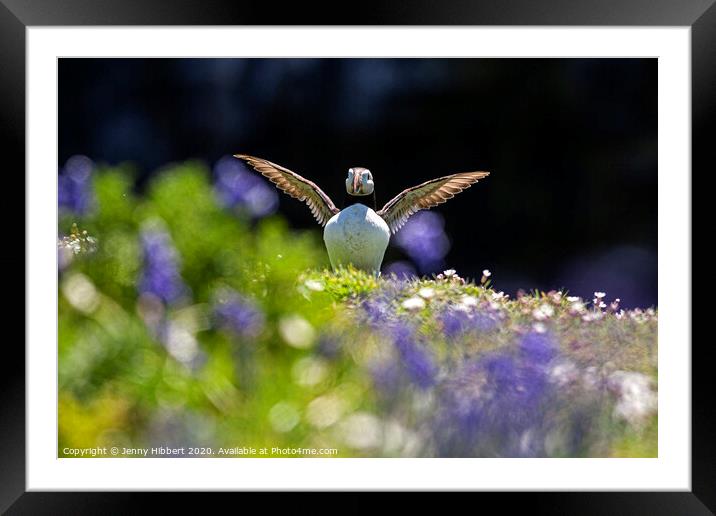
(357, 257)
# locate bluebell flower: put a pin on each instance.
(537, 348)
(377, 310)
(520, 390)
(457, 322)
(237, 187)
(462, 407)
(379, 306)
(454, 322)
(160, 275)
(239, 314)
(424, 240)
(412, 364)
(74, 185)
(415, 359)
(386, 376)
(495, 405)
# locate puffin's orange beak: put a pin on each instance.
(357, 185)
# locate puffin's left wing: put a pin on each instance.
(425, 196)
(296, 186)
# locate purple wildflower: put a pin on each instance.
(160, 276)
(238, 187)
(74, 189)
(537, 348)
(386, 376)
(496, 404)
(377, 310)
(379, 307)
(239, 315)
(423, 238)
(416, 361)
(457, 322)
(517, 394)
(454, 322)
(412, 363)
(463, 404)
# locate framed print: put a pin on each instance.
(418, 249)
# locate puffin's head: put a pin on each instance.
(359, 181)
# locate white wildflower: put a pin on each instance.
(547, 310)
(539, 327)
(468, 301)
(576, 307)
(414, 303)
(544, 311)
(636, 398)
(426, 292)
(564, 372)
(592, 316)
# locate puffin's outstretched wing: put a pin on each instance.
(425, 196)
(296, 186)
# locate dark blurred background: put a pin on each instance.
(571, 144)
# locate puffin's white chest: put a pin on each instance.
(357, 235)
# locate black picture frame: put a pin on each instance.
(17, 15)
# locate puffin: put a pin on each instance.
(358, 234)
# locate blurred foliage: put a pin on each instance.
(263, 347)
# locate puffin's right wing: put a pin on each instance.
(425, 196)
(296, 186)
